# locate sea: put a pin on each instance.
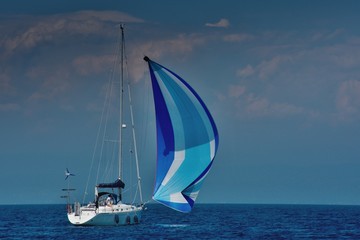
(206, 221)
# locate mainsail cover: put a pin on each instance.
(117, 184)
(187, 139)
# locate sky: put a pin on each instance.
(281, 79)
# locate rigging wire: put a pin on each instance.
(106, 125)
(133, 126)
(97, 141)
(106, 99)
(100, 148)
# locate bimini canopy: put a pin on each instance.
(117, 184)
(187, 139)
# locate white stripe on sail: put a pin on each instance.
(212, 149)
(194, 195)
(179, 157)
(177, 198)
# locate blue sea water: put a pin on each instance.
(206, 221)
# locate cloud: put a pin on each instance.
(320, 36)
(223, 23)
(53, 83)
(344, 55)
(105, 16)
(245, 72)
(182, 43)
(237, 37)
(348, 100)
(49, 28)
(179, 45)
(265, 68)
(5, 87)
(61, 52)
(5, 107)
(86, 65)
(51, 47)
(235, 91)
(261, 106)
(247, 104)
(269, 67)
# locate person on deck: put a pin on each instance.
(109, 201)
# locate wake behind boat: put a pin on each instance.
(187, 142)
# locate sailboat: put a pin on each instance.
(109, 207)
(187, 142)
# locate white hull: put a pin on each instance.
(120, 214)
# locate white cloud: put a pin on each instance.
(345, 56)
(237, 37)
(264, 69)
(319, 36)
(86, 65)
(246, 71)
(261, 106)
(257, 106)
(348, 100)
(5, 107)
(267, 68)
(5, 86)
(235, 91)
(223, 23)
(179, 45)
(48, 28)
(53, 83)
(110, 16)
(246, 104)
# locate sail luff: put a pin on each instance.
(162, 123)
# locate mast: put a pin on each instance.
(121, 97)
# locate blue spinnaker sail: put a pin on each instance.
(187, 139)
